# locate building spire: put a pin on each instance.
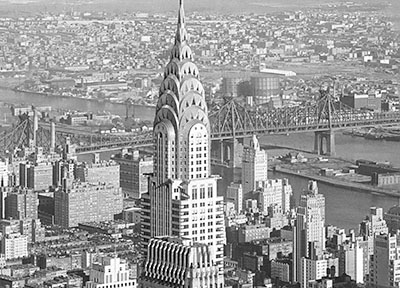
(181, 16)
(181, 34)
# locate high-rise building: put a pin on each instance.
(134, 170)
(84, 202)
(31, 228)
(182, 200)
(254, 166)
(184, 264)
(316, 268)
(3, 172)
(3, 195)
(392, 218)
(374, 224)
(385, 262)
(37, 176)
(351, 260)
(110, 272)
(275, 192)
(14, 245)
(21, 203)
(276, 219)
(63, 169)
(309, 229)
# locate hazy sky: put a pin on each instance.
(165, 6)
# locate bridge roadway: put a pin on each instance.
(367, 120)
(229, 121)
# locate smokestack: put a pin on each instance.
(52, 136)
(35, 125)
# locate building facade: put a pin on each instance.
(178, 262)
(14, 245)
(134, 171)
(85, 202)
(22, 203)
(234, 193)
(98, 172)
(385, 262)
(37, 176)
(275, 192)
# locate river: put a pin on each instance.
(344, 208)
(70, 103)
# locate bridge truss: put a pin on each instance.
(231, 120)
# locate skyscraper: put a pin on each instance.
(309, 230)
(182, 200)
(254, 166)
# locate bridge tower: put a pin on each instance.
(229, 151)
(129, 111)
(324, 141)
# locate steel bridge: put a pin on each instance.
(230, 120)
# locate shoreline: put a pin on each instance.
(340, 183)
(16, 90)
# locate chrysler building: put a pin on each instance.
(182, 201)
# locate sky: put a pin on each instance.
(221, 6)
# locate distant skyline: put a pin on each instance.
(17, 8)
(159, 6)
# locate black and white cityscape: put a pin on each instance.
(199, 144)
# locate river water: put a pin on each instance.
(69, 103)
(344, 208)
